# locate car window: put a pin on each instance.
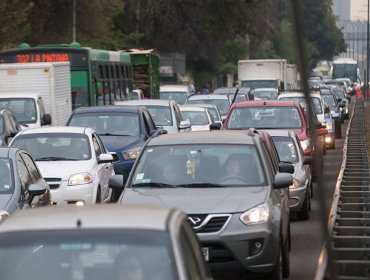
(161, 115)
(97, 146)
(6, 176)
(35, 175)
(196, 165)
(271, 169)
(178, 114)
(196, 117)
(179, 97)
(264, 117)
(222, 105)
(24, 175)
(109, 123)
(286, 149)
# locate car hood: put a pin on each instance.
(4, 200)
(63, 169)
(198, 200)
(121, 143)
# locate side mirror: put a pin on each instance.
(105, 158)
(283, 180)
(215, 126)
(184, 125)
(46, 119)
(116, 182)
(35, 190)
(286, 168)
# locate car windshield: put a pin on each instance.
(198, 166)
(86, 254)
(265, 95)
(161, 115)
(329, 100)
(6, 177)
(24, 109)
(214, 114)
(222, 105)
(54, 146)
(180, 97)
(286, 149)
(301, 99)
(195, 117)
(109, 124)
(264, 117)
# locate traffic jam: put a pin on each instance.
(110, 172)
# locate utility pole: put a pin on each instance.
(74, 22)
(367, 53)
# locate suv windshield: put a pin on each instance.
(222, 105)
(329, 100)
(179, 97)
(114, 124)
(301, 99)
(198, 166)
(264, 117)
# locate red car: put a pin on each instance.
(276, 114)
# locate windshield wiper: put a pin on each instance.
(54, 159)
(151, 185)
(113, 134)
(200, 185)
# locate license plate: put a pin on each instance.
(206, 253)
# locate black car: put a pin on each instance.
(9, 127)
(21, 183)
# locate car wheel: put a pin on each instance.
(98, 196)
(338, 130)
(304, 214)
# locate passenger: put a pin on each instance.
(129, 266)
(232, 166)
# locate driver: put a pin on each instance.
(233, 167)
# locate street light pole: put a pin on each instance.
(74, 22)
(367, 52)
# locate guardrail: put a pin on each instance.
(347, 252)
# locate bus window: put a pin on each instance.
(80, 96)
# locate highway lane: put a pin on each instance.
(307, 238)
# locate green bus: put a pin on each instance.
(146, 69)
(98, 77)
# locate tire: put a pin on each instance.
(304, 213)
(98, 196)
(338, 130)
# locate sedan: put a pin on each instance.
(100, 242)
(290, 151)
(21, 183)
(73, 160)
(199, 117)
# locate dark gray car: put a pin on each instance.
(236, 200)
(21, 183)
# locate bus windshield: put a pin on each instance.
(345, 70)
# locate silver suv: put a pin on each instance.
(234, 195)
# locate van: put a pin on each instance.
(179, 93)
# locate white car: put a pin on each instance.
(165, 114)
(265, 93)
(199, 117)
(221, 101)
(72, 160)
(179, 93)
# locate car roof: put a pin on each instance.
(208, 96)
(192, 108)
(204, 105)
(280, 132)
(300, 94)
(107, 108)
(56, 129)
(265, 89)
(144, 102)
(112, 216)
(268, 103)
(174, 87)
(206, 137)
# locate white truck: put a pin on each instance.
(37, 93)
(262, 73)
(291, 77)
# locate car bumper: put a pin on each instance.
(235, 248)
(65, 194)
(296, 198)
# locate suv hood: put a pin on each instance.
(121, 143)
(198, 200)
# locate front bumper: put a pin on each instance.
(65, 194)
(242, 248)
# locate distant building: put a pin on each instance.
(342, 9)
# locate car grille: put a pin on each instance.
(208, 223)
(53, 183)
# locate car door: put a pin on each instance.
(102, 170)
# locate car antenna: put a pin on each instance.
(79, 223)
(236, 93)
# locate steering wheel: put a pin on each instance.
(233, 179)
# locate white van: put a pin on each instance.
(179, 93)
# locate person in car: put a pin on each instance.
(129, 266)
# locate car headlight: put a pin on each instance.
(329, 126)
(131, 154)
(257, 215)
(80, 179)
